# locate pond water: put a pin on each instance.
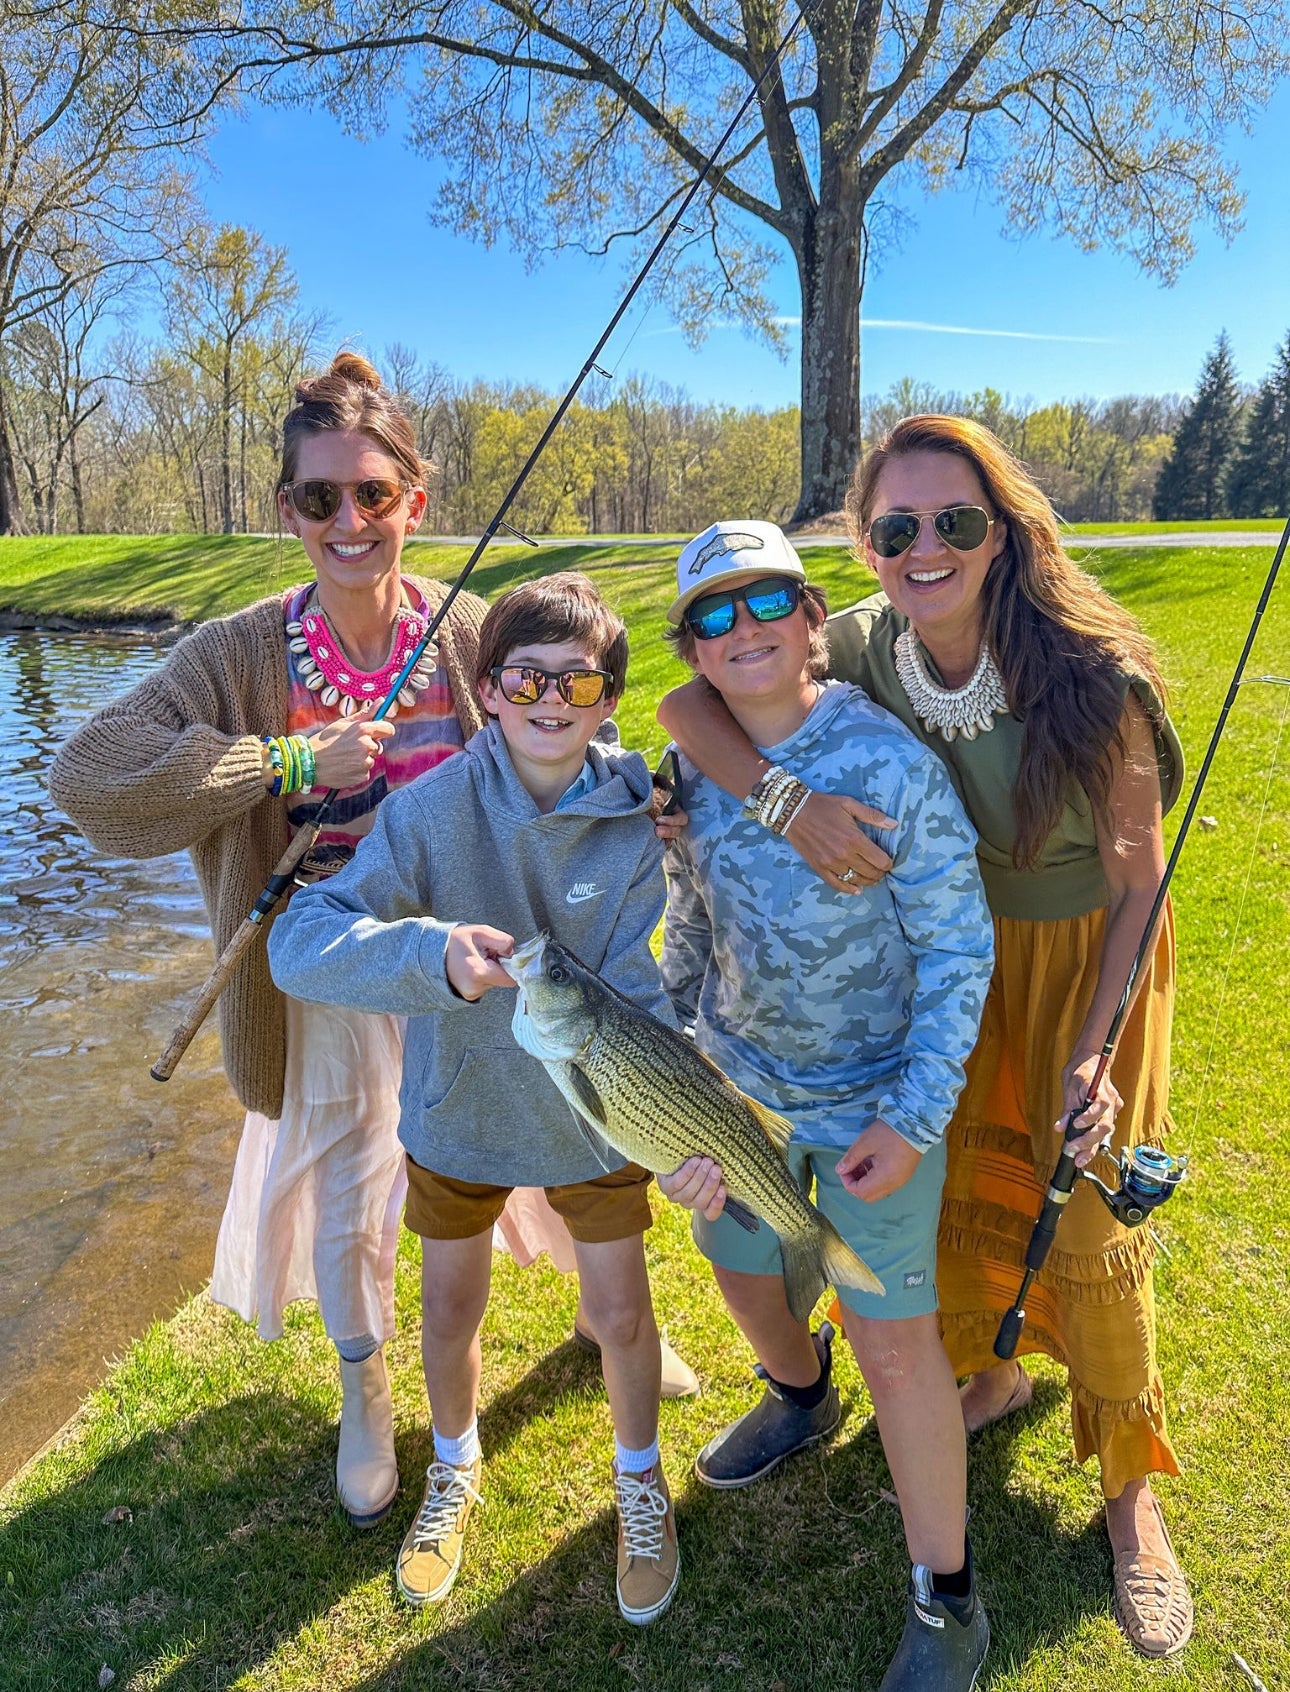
(111, 1185)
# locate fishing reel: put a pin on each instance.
(1148, 1177)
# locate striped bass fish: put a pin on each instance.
(643, 1090)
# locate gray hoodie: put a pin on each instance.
(466, 842)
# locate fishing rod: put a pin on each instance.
(1148, 1175)
(283, 874)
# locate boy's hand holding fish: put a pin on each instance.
(698, 1184)
(471, 959)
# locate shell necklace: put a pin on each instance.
(324, 669)
(950, 711)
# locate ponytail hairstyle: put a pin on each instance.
(349, 397)
(1061, 643)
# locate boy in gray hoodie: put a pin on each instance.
(532, 827)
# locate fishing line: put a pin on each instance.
(1240, 910)
(284, 873)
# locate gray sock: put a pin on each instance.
(357, 1350)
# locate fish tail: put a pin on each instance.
(804, 1275)
(842, 1266)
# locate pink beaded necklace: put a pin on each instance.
(325, 670)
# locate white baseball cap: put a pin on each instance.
(727, 549)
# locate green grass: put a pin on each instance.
(237, 1570)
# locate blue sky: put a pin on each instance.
(961, 306)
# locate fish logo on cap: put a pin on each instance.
(734, 541)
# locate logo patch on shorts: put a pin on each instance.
(916, 1278)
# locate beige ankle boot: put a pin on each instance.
(367, 1476)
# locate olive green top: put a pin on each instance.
(1067, 879)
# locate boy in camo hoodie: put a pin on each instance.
(851, 1013)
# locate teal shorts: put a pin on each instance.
(896, 1236)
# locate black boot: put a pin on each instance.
(773, 1429)
(944, 1642)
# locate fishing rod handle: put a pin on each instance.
(202, 1005)
(243, 935)
(1060, 1186)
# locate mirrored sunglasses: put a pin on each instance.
(524, 684)
(318, 500)
(767, 600)
(961, 526)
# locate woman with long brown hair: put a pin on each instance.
(225, 751)
(1043, 699)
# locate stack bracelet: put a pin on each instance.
(291, 757)
(776, 799)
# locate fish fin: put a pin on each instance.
(587, 1113)
(803, 1278)
(842, 1266)
(741, 1214)
(777, 1129)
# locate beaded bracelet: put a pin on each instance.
(776, 799)
(292, 760)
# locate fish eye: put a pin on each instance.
(555, 973)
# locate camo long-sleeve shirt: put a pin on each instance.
(834, 1008)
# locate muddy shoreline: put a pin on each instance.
(163, 629)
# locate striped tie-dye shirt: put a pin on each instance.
(424, 735)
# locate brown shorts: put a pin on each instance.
(612, 1207)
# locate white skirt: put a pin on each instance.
(317, 1195)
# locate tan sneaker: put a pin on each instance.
(431, 1551)
(649, 1560)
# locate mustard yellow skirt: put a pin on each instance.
(1091, 1307)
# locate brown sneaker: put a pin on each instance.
(649, 1560)
(431, 1551)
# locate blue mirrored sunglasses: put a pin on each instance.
(768, 599)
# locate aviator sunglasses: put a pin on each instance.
(524, 684)
(767, 600)
(963, 527)
(318, 500)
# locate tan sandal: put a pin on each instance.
(1017, 1399)
(1152, 1604)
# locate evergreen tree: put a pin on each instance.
(1192, 480)
(1258, 480)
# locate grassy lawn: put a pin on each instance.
(234, 1568)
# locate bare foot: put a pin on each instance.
(1134, 1523)
(992, 1393)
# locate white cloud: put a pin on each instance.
(962, 329)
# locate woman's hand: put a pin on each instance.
(345, 750)
(1098, 1120)
(698, 1185)
(826, 832)
(878, 1162)
(470, 962)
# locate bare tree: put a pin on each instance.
(228, 285)
(55, 385)
(93, 112)
(565, 123)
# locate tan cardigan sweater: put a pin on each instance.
(176, 763)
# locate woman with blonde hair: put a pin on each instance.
(1043, 699)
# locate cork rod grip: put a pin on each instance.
(225, 964)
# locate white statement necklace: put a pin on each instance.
(950, 711)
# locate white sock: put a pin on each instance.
(460, 1451)
(635, 1462)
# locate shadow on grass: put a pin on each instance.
(795, 1583)
(233, 1543)
(235, 1550)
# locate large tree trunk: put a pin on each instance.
(829, 272)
